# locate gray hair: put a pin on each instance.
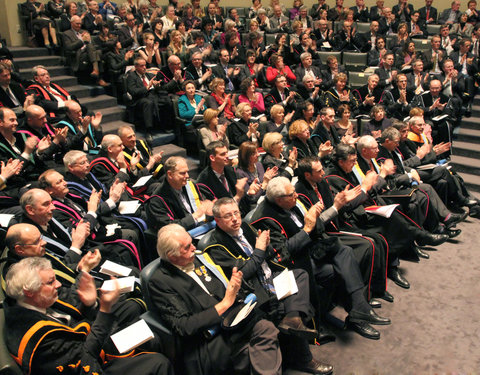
(277, 188)
(122, 129)
(414, 119)
(71, 157)
(304, 55)
(108, 140)
(35, 69)
(172, 162)
(365, 142)
(29, 197)
(221, 202)
(167, 242)
(24, 276)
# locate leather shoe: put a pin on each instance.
(375, 303)
(294, 326)
(370, 317)
(364, 329)
(324, 335)
(315, 367)
(386, 296)
(421, 254)
(432, 239)
(398, 279)
(452, 233)
(474, 211)
(453, 219)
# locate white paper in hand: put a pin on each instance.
(132, 336)
(285, 284)
(125, 284)
(142, 181)
(385, 211)
(128, 207)
(114, 269)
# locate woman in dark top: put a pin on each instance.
(299, 134)
(252, 169)
(117, 60)
(243, 129)
(105, 39)
(71, 9)
(35, 11)
(378, 122)
(400, 39)
(405, 57)
(191, 22)
(279, 122)
(160, 35)
(55, 8)
(276, 157)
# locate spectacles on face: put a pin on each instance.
(35, 243)
(230, 215)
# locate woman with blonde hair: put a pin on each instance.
(220, 101)
(243, 129)
(252, 169)
(273, 145)
(176, 46)
(212, 131)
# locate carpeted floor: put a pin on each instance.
(435, 324)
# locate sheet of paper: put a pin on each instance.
(385, 211)
(114, 269)
(5, 220)
(132, 336)
(439, 117)
(128, 207)
(243, 313)
(285, 284)
(126, 284)
(142, 181)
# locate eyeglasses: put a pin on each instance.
(230, 215)
(35, 243)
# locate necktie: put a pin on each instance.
(50, 231)
(224, 182)
(428, 14)
(144, 82)
(55, 93)
(62, 318)
(370, 164)
(230, 85)
(185, 202)
(319, 196)
(16, 103)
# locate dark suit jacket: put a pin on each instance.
(135, 86)
(124, 36)
(165, 207)
(73, 45)
(423, 14)
(18, 92)
(191, 73)
(397, 12)
(89, 24)
(394, 108)
(300, 72)
(375, 13)
(360, 16)
(383, 75)
(445, 14)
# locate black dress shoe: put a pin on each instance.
(364, 329)
(324, 335)
(474, 211)
(370, 317)
(375, 303)
(398, 279)
(421, 254)
(453, 219)
(294, 326)
(315, 367)
(452, 233)
(387, 297)
(431, 239)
